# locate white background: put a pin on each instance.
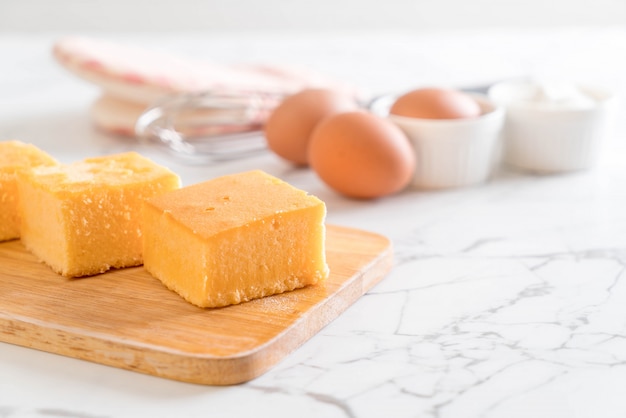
(303, 16)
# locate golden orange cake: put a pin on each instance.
(235, 238)
(15, 156)
(84, 218)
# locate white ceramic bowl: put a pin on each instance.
(455, 152)
(555, 137)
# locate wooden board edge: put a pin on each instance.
(317, 318)
(200, 369)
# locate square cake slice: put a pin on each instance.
(235, 238)
(15, 156)
(84, 218)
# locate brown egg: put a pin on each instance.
(289, 127)
(361, 155)
(436, 103)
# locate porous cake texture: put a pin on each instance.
(15, 156)
(235, 238)
(84, 218)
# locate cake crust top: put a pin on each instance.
(108, 171)
(232, 201)
(17, 155)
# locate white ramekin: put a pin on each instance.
(545, 138)
(455, 152)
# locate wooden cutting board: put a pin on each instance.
(127, 319)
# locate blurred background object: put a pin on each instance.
(302, 16)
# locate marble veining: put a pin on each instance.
(506, 300)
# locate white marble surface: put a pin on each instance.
(506, 300)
